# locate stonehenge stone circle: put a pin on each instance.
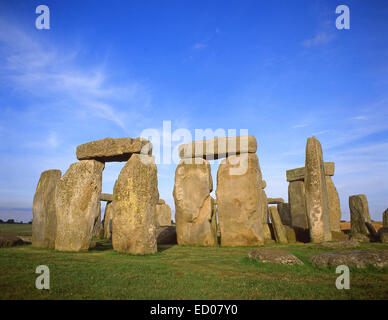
(316, 193)
(359, 210)
(279, 230)
(78, 204)
(218, 147)
(240, 211)
(107, 150)
(108, 220)
(163, 214)
(296, 179)
(135, 196)
(44, 223)
(195, 218)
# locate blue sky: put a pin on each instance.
(114, 68)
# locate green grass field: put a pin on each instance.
(177, 272)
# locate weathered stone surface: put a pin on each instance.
(273, 255)
(360, 237)
(108, 220)
(358, 212)
(78, 205)
(163, 215)
(295, 174)
(135, 196)
(371, 229)
(10, 241)
(383, 235)
(25, 239)
(340, 244)
(166, 235)
(297, 201)
(285, 213)
(107, 150)
(264, 184)
(385, 218)
(352, 258)
(106, 197)
(290, 234)
(334, 205)
(275, 200)
(98, 228)
(267, 234)
(241, 213)
(316, 193)
(161, 201)
(279, 231)
(218, 147)
(298, 174)
(339, 236)
(196, 222)
(44, 223)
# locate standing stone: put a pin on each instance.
(163, 215)
(44, 223)
(316, 193)
(285, 213)
(297, 201)
(358, 206)
(240, 210)
(279, 231)
(98, 231)
(135, 196)
(385, 218)
(334, 205)
(108, 220)
(78, 205)
(195, 212)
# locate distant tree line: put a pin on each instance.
(12, 221)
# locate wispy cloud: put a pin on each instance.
(44, 70)
(319, 39)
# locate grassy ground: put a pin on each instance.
(177, 272)
(12, 230)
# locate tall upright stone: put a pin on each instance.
(334, 205)
(195, 211)
(135, 196)
(385, 218)
(78, 205)
(163, 214)
(297, 201)
(279, 230)
(241, 213)
(359, 213)
(316, 193)
(263, 202)
(285, 213)
(44, 222)
(98, 228)
(108, 220)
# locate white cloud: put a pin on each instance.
(319, 39)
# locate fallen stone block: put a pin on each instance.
(274, 255)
